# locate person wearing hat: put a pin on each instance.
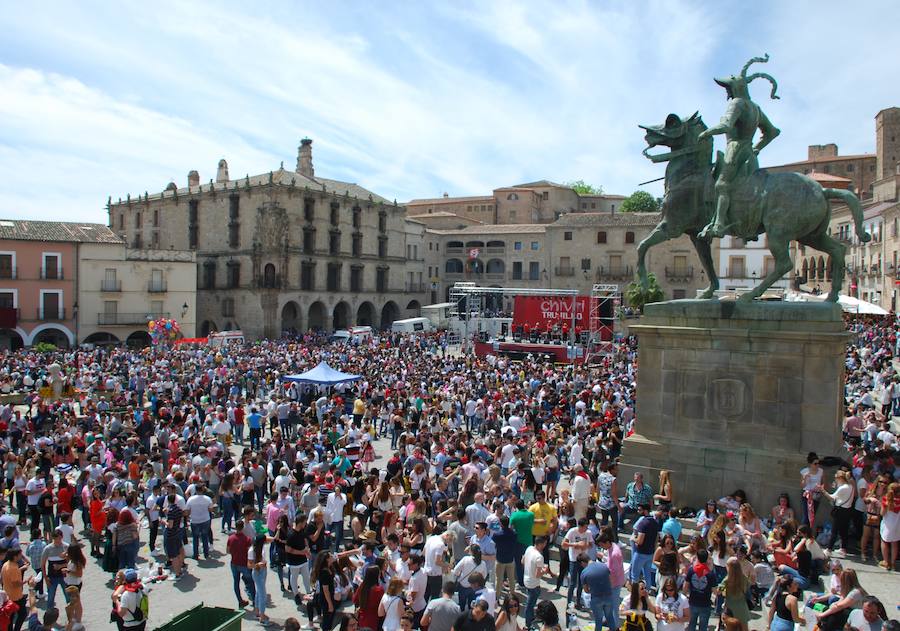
(127, 602)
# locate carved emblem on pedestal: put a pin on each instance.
(729, 397)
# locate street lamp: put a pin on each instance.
(184, 309)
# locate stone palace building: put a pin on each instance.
(284, 251)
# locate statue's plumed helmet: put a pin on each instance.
(736, 85)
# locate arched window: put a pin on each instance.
(512, 197)
(453, 266)
(269, 276)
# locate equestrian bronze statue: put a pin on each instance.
(734, 196)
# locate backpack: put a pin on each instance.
(143, 609)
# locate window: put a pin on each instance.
(51, 305)
(545, 195)
(51, 266)
(612, 208)
(269, 277)
(137, 219)
(512, 197)
(534, 270)
(517, 245)
(357, 244)
(209, 275)
(736, 267)
(585, 265)
(110, 282)
(567, 236)
(121, 221)
(382, 221)
(382, 247)
(512, 214)
(8, 265)
(517, 270)
(334, 242)
(593, 205)
(679, 294)
(7, 299)
(357, 217)
(583, 205)
(334, 215)
(309, 209)
(308, 276)
(381, 280)
(155, 218)
(356, 274)
(849, 168)
(156, 307)
(629, 237)
(309, 239)
(601, 237)
(157, 281)
(468, 209)
(827, 168)
(535, 245)
(234, 225)
(154, 240)
(234, 274)
(193, 223)
(228, 307)
(110, 311)
(333, 277)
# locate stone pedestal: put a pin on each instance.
(734, 395)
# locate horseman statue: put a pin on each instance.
(734, 197)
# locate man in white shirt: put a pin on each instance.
(435, 562)
(199, 506)
(533, 562)
(581, 492)
(334, 510)
(482, 591)
(416, 588)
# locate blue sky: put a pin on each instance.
(409, 99)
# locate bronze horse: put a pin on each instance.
(786, 206)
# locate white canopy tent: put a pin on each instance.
(848, 303)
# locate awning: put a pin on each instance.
(323, 375)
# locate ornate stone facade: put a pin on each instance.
(284, 251)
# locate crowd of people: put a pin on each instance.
(501, 485)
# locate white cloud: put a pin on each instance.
(408, 101)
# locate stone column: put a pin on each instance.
(734, 395)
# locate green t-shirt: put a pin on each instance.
(522, 521)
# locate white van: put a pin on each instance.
(360, 334)
(412, 325)
(225, 338)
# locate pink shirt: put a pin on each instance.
(616, 568)
(273, 514)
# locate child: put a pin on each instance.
(74, 610)
(34, 551)
(765, 577)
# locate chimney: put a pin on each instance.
(193, 179)
(446, 195)
(222, 172)
(304, 158)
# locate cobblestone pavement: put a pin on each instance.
(210, 582)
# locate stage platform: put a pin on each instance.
(518, 350)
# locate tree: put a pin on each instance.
(582, 188)
(640, 202)
(637, 297)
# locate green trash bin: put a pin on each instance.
(201, 618)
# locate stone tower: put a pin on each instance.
(222, 172)
(304, 158)
(887, 142)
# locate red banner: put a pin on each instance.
(541, 313)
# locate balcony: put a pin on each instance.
(679, 274)
(51, 314)
(8, 273)
(110, 285)
(496, 276)
(455, 250)
(415, 288)
(495, 251)
(565, 270)
(157, 286)
(615, 272)
(126, 319)
(52, 274)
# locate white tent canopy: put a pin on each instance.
(848, 303)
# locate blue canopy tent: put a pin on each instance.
(323, 375)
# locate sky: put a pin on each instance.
(410, 99)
